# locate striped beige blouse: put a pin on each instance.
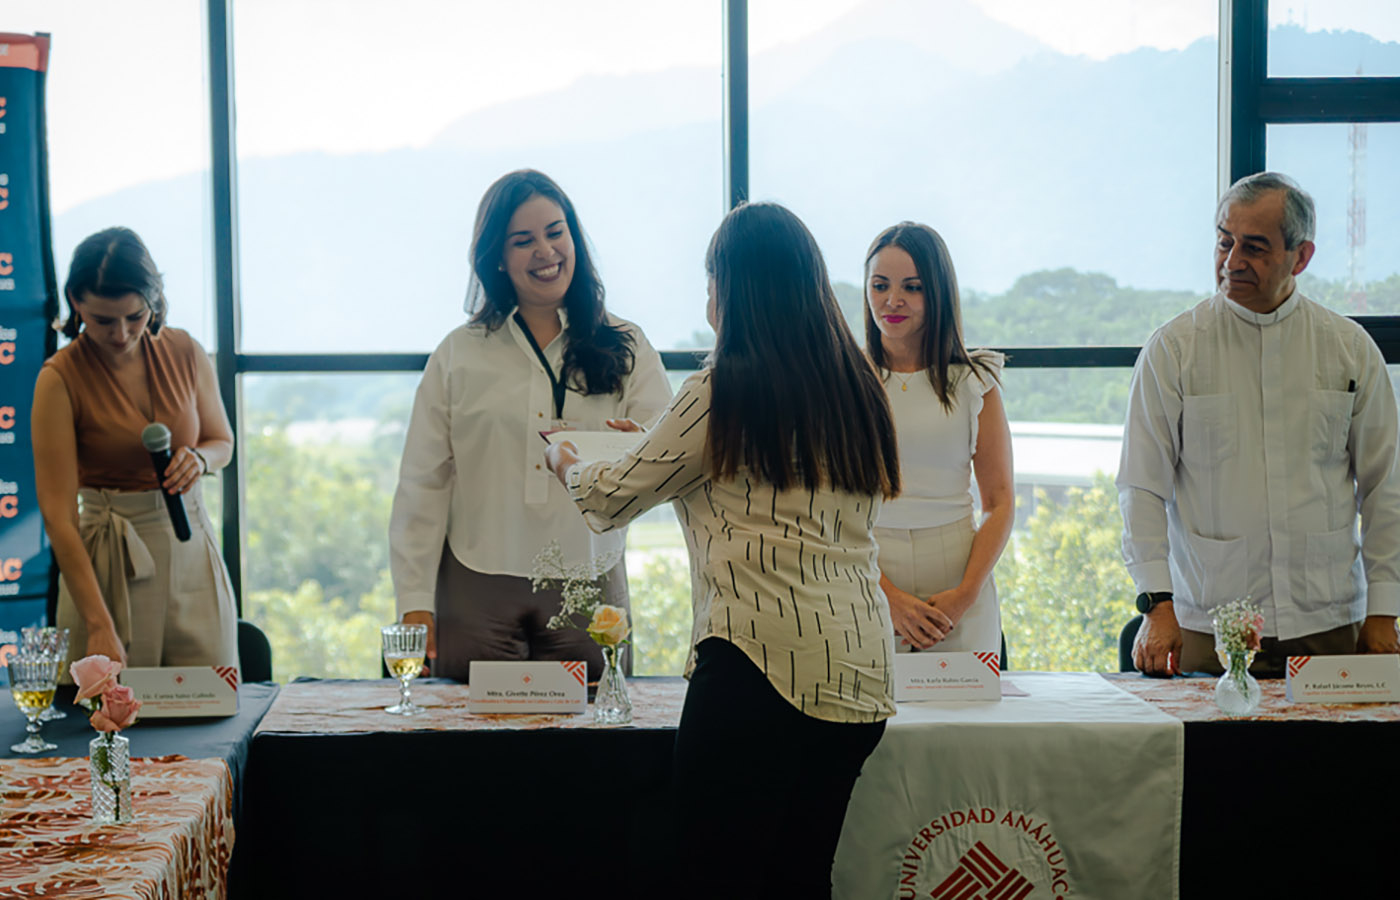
(789, 577)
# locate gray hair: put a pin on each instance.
(1299, 216)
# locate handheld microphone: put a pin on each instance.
(156, 439)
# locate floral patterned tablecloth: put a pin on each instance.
(346, 707)
(1193, 700)
(178, 847)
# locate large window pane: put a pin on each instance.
(1350, 172)
(321, 456)
(367, 137)
(1064, 591)
(1315, 38)
(128, 135)
(1066, 152)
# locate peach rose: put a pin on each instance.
(609, 626)
(94, 675)
(119, 709)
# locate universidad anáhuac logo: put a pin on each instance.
(984, 853)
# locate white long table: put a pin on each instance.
(1068, 761)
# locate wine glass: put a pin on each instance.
(405, 647)
(46, 641)
(33, 680)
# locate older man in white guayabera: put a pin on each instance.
(1259, 423)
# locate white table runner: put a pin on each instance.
(1073, 791)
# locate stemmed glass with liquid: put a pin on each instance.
(33, 680)
(405, 647)
(46, 641)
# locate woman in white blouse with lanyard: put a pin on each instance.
(474, 505)
(778, 457)
(935, 562)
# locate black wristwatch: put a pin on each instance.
(1147, 601)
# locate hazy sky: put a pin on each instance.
(127, 86)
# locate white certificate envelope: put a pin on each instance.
(598, 446)
(947, 676)
(1352, 678)
(171, 691)
(538, 686)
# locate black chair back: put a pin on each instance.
(1125, 644)
(254, 653)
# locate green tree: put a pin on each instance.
(1064, 591)
(316, 568)
(315, 513)
(851, 298)
(661, 612)
(331, 637)
(1064, 307)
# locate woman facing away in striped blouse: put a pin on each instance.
(777, 456)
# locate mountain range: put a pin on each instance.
(1024, 158)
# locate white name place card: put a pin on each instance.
(528, 687)
(184, 690)
(947, 676)
(1357, 678)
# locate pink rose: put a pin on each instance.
(1255, 632)
(94, 675)
(119, 709)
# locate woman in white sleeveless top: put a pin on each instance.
(936, 562)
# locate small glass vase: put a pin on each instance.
(109, 763)
(611, 705)
(1237, 692)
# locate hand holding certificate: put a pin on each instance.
(569, 447)
(593, 446)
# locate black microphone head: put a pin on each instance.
(155, 437)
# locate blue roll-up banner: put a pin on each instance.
(28, 303)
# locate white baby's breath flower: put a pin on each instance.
(580, 585)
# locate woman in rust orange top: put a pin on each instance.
(128, 588)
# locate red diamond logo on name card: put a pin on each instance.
(1344, 673)
(943, 664)
(179, 679)
(527, 679)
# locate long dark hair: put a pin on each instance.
(111, 264)
(597, 355)
(793, 398)
(943, 339)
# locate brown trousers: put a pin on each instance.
(499, 617)
(1198, 650)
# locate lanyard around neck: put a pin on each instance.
(556, 385)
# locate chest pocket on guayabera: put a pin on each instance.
(1209, 428)
(1329, 422)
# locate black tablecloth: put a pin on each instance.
(1274, 809)
(227, 738)
(482, 814)
(1290, 809)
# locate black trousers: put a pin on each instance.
(761, 787)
